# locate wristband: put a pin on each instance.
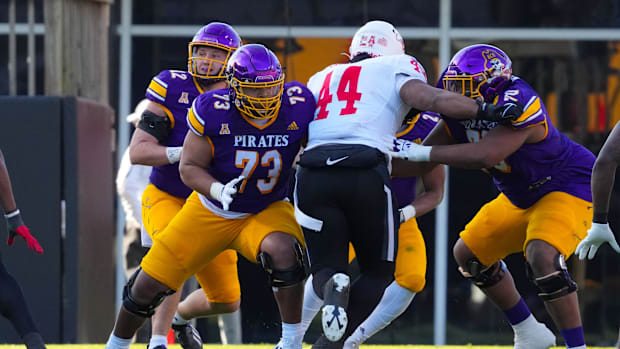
(173, 154)
(600, 217)
(216, 191)
(11, 214)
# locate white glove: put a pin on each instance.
(413, 152)
(406, 213)
(174, 154)
(597, 235)
(225, 193)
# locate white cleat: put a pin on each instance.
(283, 344)
(334, 316)
(537, 337)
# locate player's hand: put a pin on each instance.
(15, 226)
(406, 213)
(597, 235)
(225, 193)
(499, 113)
(412, 151)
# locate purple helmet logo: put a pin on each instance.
(256, 81)
(204, 64)
(478, 70)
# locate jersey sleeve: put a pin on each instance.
(534, 112)
(407, 68)
(301, 98)
(158, 87)
(195, 119)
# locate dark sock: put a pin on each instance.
(33, 340)
(573, 337)
(517, 313)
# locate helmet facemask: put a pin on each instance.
(258, 100)
(198, 59)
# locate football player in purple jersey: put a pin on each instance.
(237, 159)
(603, 178)
(157, 142)
(544, 208)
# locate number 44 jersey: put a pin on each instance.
(359, 103)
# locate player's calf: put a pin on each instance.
(142, 298)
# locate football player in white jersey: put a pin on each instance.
(343, 191)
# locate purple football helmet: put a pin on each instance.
(478, 71)
(256, 80)
(211, 65)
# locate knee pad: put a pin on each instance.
(137, 308)
(555, 285)
(286, 277)
(483, 276)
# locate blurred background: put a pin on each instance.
(71, 70)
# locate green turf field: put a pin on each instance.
(270, 346)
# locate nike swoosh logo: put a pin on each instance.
(330, 162)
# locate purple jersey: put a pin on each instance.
(416, 131)
(174, 91)
(555, 163)
(263, 154)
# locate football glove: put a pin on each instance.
(406, 213)
(597, 235)
(226, 193)
(413, 152)
(499, 113)
(15, 226)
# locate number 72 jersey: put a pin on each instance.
(359, 103)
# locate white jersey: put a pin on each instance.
(359, 103)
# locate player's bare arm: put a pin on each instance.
(422, 96)
(196, 157)
(418, 94)
(6, 191)
(433, 182)
(145, 147)
(496, 146)
(603, 174)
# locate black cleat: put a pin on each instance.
(187, 336)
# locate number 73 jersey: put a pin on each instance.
(263, 153)
(359, 103)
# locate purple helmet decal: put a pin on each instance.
(478, 70)
(206, 64)
(256, 80)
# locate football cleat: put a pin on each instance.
(334, 315)
(537, 337)
(284, 344)
(187, 336)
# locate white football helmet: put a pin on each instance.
(377, 38)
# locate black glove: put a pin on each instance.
(499, 113)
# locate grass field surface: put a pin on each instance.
(270, 346)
